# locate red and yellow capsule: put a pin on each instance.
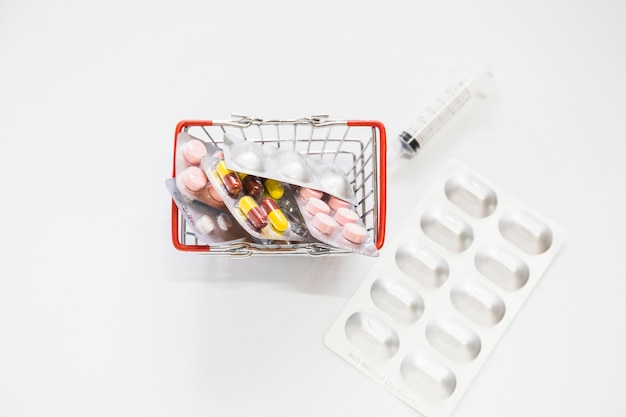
(229, 178)
(254, 213)
(276, 217)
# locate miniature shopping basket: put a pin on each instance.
(358, 147)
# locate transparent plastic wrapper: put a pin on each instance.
(444, 291)
(259, 214)
(334, 221)
(208, 224)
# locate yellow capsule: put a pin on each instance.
(278, 220)
(275, 215)
(274, 189)
(222, 169)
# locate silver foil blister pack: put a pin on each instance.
(287, 165)
(442, 293)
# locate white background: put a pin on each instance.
(101, 316)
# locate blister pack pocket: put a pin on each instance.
(286, 165)
(444, 290)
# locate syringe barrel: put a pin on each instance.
(415, 136)
(427, 124)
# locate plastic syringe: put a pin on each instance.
(426, 125)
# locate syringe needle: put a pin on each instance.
(416, 136)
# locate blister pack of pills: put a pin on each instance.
(334, 221)
(190, 151)
(443, 292)
(209, 225)
(196, 198)
(251, 202)
(286, 165)
(191, 181)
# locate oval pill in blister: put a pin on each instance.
(502, 267)
(471, 195)
(193, 184)
(344, 215)
(478, 303)
(206, 224)
(337, 203)
(401, 302)
(372, 336)
(193, 151)
(446, 229)
(307, 193)
(354, 233)
(224, 222)
(526, 232)
(427, 375)
(293, 166)
(247, 155)
(453, 339)
(315, 205)
(422, 264)
(335, 181)
(194, 178)
(324, 223)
